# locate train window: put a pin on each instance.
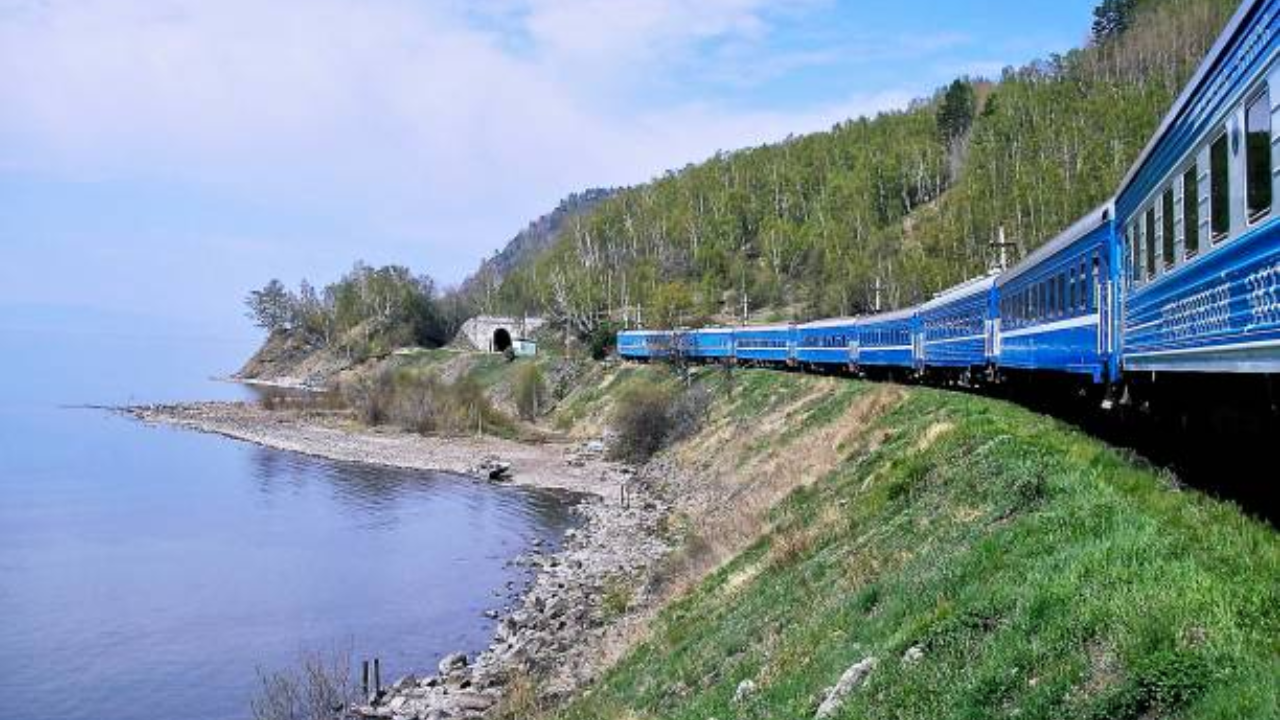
(1257, 155)
(1095, 281)
(1086, 285)
(1149, 240)
(1131, 236)
(1062, 294)
(1071, 291)
(1166, 228)
(1190, 213)
(1219, 188)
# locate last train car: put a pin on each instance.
(1197, 212)
(885, 341)
(954, 328)
(766, 344)
(644, 344)
(827, 343)
(1055, 306)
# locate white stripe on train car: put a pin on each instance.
(1208, 349)
(1082, 321)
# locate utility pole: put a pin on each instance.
(877, 293)
(1002, 246)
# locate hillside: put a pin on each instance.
(527, 245)
(978, 559)
(910, 199)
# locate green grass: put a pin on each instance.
(1043, 574)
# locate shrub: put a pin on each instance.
(617, 595)
(642, 422)
(371, 396)
(649, 417)
(602, 340)
(422, 402)
(319, 688)
(688, 413)
(530, 392)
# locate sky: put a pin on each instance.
(161, 158)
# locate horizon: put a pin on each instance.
(160, 161)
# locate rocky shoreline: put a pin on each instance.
(557, 635)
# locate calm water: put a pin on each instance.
(147, 572)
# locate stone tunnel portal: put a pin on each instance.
(501, 340)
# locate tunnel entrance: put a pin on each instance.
(501, 340)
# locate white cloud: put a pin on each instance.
(451, 123)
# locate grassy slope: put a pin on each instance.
(1043, 574)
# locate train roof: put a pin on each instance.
(1202, 72)
(1078, 229)
(764, 328)
(963, 290)
(892, 315)
(714, 329)
(830, 322)
(645, 332)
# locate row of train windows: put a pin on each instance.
(1073, 291)
(886, 336)
(828, 341)
(953, 326)
(752, 343)
(1151, 243)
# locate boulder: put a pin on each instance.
(452, 662)
(848, 682)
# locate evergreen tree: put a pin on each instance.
(272, 307)
(955, 114)
(1111, 19)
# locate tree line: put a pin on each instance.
(369, 311)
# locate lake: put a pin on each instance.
(148, 572)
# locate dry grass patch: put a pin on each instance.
(738, 489)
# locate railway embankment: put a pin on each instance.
(857, 550)
(825, 547)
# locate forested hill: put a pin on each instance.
(527, 245)
(912, 199)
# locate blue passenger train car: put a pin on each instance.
(644, 344)
(955, 327)
(1055, 308)
(887, 340)
(829, 343)
(764, 343)
(715, 343)
(1197, 212)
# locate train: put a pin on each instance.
(1173, 282)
